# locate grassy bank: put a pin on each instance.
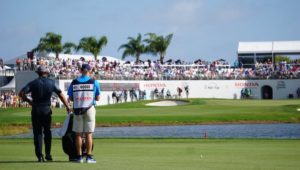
(162, 154)
(198, 111)
(9, 129)
(202, 111)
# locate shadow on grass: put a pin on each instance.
(22, 162)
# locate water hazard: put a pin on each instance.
(273, 131)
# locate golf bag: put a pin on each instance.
(68, 141)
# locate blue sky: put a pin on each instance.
(206, 29)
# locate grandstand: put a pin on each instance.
(258, 74)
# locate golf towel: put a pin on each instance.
(64, 128)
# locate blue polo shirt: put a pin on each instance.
(41, 90)
(83, 79)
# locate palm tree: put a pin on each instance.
(92, 45)
(50, 43)
(134, 47)
(68, 47)
(158, 45)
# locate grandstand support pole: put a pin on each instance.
(273, 59)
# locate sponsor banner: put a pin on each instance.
(212, 86)
(281, 85)
(229, 89)
(246, 84)
(66, 85)
(118, 86)
(111, 86)
(154, 85)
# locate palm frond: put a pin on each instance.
(50, 43)
(91, 45)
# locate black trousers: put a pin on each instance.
(41, 123)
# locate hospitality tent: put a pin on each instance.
(11, 86)
(251, 52)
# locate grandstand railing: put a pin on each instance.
(7, 72)
(276, 75)
(263, 71)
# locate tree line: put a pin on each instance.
(136, 46)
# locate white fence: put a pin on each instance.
(224, 89)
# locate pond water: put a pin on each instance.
(273, 131)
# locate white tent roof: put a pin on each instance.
(286, 47)
(10, 86)
(6, 67)
(269, 47)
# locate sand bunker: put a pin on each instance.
(167, 103)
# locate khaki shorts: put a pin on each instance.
(85, 122)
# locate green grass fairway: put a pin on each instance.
(162, 154)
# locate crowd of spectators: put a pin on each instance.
(121, 96)
(9, 99)
(170, 70)
(150, 70)
(124, 96)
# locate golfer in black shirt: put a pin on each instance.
(41, 90)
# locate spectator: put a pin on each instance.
(168, 94)
(114, 97)
(187, 90)
(179, 91)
